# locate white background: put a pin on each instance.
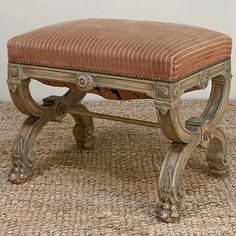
(19, 16)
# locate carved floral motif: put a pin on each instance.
(84, 81)
(163, 92)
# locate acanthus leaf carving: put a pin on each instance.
(18, 147)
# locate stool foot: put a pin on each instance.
(23, 157)
(169, 189)
(19, 175)
(83, 130)
(217, 156)
(84, 136)
(167, 212)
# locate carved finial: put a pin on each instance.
(84, 81)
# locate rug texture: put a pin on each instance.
(112, 189)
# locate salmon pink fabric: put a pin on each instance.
(140, 49)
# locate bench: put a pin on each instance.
(124, 59)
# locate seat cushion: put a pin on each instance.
(140, 49)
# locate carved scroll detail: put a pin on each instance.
(84, 128)
(217, 155)
(12, 71)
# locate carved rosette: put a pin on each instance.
(166, 97)
(84, 81)
(166, 92)
(163, 92)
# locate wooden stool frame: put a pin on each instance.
(197, 131)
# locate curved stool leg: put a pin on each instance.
(197, 131)
(52, 109)
(169, 190)
(217, 155)
(84, 129)
(213, 138)
(184, 142)
(23, 157)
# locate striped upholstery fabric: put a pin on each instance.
(140, 49)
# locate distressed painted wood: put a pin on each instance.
(197, 131)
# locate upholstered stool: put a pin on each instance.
(124, 59)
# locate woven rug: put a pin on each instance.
(112, 189)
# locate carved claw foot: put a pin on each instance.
(23, 157)
(170, 191)
(167, 212)
(19, 175)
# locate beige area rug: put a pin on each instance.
(112, 189)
